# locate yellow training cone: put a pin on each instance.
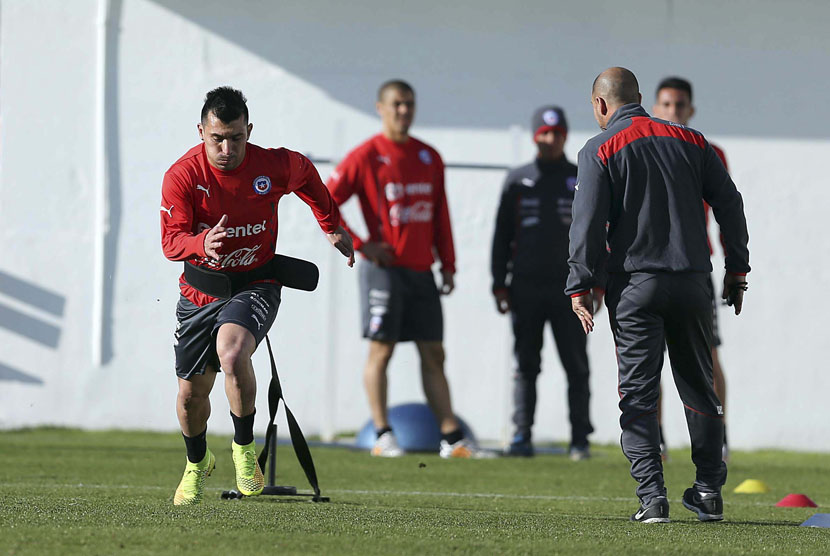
(751, 486)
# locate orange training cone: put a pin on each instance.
(796, 501)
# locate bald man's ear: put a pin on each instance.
(601, 105)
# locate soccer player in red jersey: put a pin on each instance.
(673, 103)
(219, 211)
(399, 182)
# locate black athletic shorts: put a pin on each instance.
(399, 304)
(255, 308)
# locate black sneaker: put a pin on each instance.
(520, 446)
(707, 505)
(656, 512)
(579, 452)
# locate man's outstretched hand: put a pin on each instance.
(583, 306)
(214, 237)
(342, 241)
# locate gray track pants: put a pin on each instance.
(646, 310)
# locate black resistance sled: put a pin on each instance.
(270, 448)
(291, 273)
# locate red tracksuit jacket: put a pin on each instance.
(195, 195)
(401, 192)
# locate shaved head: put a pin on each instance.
(617, 86)
(612, 89)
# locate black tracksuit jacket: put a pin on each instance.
(644, 179)
(531, 236)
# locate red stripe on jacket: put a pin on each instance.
(642, 127)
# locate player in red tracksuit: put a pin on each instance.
(399, 182)
(219, 210)
(673, 102)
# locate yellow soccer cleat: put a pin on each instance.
(249, 479)
(191, 489)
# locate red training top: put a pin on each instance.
(401, 191)
(195, 195)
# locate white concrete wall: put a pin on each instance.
(310, 70)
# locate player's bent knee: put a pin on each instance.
(230, 358)
(234, 347)
(192, 400)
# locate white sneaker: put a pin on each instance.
(386, 446)
(464, 449)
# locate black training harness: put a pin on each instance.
(291, 273)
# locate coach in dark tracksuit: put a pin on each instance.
(644, 178)
(530, 253)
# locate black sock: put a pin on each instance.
(384, 430)
(196, 447)
(453, 437)
(243, 428)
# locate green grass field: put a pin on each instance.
(74, 492)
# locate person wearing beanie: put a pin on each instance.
(529, 266)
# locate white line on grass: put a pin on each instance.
(550, 497)
(482, 495)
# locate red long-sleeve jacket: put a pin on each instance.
(195, 195)
(401, 192)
